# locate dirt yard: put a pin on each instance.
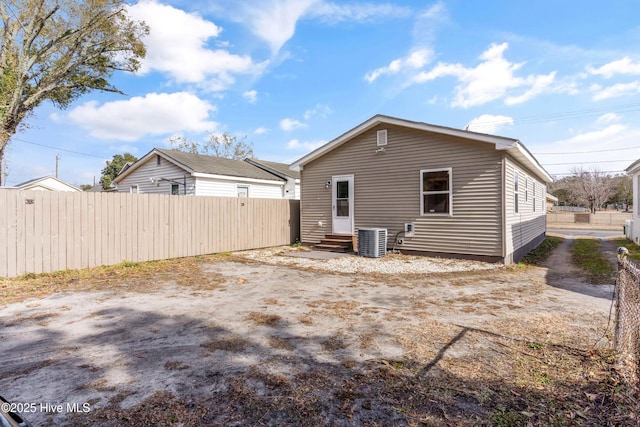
(257, 343)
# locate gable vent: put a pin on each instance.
(382, 138)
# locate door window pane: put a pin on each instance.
(342, 207)
(342, 189)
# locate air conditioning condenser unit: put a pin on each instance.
(372, 242)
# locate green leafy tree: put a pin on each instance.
(219, 145)
(114, 166)
(58, 50)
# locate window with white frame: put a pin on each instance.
(243, 191)
(533, 197)
(515, 192)
(526, 188)
(134, 189)
(175, 189)
(436, 194)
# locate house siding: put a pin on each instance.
(525, 229)
(143, 174)
(387, 191)
(229, 188)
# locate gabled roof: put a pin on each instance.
(279, 169)
(512, 146)
(42, 182)
(633, 167)
(200, 164)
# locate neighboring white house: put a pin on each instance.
(175, 172)
(47, 183)
(633, 226)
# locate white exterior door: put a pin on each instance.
(342, 204)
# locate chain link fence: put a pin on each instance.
(627, 336)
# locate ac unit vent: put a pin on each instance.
(372, 242)
(382, 138)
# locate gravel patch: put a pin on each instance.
(389, 264)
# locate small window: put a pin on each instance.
(382, 138)
(133, 189)
(243, 191)
(435, 191)
(515, 192)
(158, 160)
(526, 189)
(175, 189)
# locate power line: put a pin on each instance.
(57, 148)
(583, 163)
(565, 114)
(592, 151)
(568, 174)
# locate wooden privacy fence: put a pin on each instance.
(43, 231)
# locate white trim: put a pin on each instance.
(237, 178)
(352, 199)
(450, 191)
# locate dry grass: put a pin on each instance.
(232, 344)
(280, 343)
(134, 277)
(263, 318)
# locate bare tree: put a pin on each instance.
(58, 50)
(590, 188)
(218, 145)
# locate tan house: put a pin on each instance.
(436, 190)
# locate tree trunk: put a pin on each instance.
(5, 135)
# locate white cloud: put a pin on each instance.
(320, 110)
(176, 45)
(294, 144)
(597, 137)
(261, 131)
(288, 124)
(356, 12)
(608, 118)
(616, 90)
(251, 96)
(492, 79)
(275, 20)
(154, 114)
(489, 123)
(621, 66)
(415, 60)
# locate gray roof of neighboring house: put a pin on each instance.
(633, 167)
(200, 163)
(278, 168)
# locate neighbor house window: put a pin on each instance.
(175, 189)
(526, 189)
(158, 160)
(534, 196)
(133, 189)
(243, 191)
(515, 192)
(436, 195)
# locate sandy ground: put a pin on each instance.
(264, 325)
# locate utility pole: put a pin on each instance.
(57, 158)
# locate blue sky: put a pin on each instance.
(562, 77)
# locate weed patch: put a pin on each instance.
(587, 254)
